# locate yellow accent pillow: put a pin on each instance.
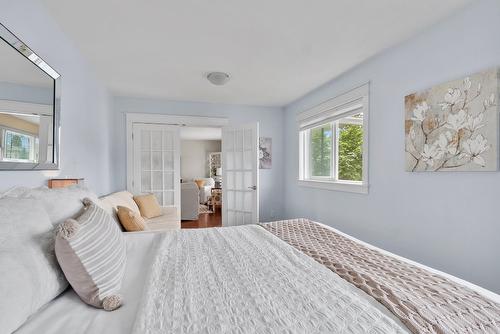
(130, 220)
(148, 205)
(200, 183)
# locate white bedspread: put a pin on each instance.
(67, 314)
(245, 280)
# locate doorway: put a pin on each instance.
(239, 163)
(201, 176)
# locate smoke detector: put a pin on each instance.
(218, 78)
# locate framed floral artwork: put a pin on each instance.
(454, 126)
(265, 153)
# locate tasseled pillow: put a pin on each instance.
(91, 252)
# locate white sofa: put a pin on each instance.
(169, 220)
(206, 190)
(190, 197)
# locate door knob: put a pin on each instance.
(253, 187)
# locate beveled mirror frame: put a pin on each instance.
(7, 36)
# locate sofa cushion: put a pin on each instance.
(29, 273)
(91, 252)
(130, 220)
(168, 220)
(121, 198)
(148, 205)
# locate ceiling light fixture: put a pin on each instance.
(218, 78)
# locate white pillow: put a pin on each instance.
(30, 276)
(17, 191)
(61, 203)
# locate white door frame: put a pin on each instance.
(131, 118)
(240, 212)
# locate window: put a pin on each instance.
(321, 149)
(19, 147)
(333, 143)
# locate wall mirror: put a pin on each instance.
(29, 107)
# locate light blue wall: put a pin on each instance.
(450, 221)
(24, 93)
(270, 125)
(85, 103)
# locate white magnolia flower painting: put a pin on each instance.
(454, 126)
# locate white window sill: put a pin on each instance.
(346, 186)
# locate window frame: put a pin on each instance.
(32, 140)
(332, 111)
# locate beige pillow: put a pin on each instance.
(91, 252)
(148, 205)
(200, 183)
(131, 220)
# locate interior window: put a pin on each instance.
(19, 146)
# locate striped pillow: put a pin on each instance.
(91, 252)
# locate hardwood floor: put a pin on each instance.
(204, 220)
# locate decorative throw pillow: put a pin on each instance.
(200, 183)
(29, 273)
(131, 220)
(148, 205)
(111, 202)
(91, 252)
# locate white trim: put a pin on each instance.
(354, 101)
(346, 186)
(25, 108)
(179, 120)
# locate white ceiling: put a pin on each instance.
(198, 133)
(275, 50)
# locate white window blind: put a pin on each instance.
(347, 104)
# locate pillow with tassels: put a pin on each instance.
(91, 252)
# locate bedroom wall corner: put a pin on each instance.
(448, 221)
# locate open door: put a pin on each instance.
(240, 177)
(156, 162)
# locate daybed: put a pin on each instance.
(169, 220)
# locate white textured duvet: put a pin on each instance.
(245, 280)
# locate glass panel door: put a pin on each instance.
(157, 162)
(240, 175)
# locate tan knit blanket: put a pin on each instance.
(425, 302)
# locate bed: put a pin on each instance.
(243, 279)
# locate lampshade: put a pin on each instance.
(218, 171)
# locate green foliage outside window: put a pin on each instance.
(321, 150)
(17, 146)
(350, 152)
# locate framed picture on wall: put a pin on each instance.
(454, 126)
(265, 153)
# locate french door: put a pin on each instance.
(240, 178)
(156, 162)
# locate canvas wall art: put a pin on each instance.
(454, 126)
(265, 153)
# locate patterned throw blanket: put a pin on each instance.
(423, 301)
